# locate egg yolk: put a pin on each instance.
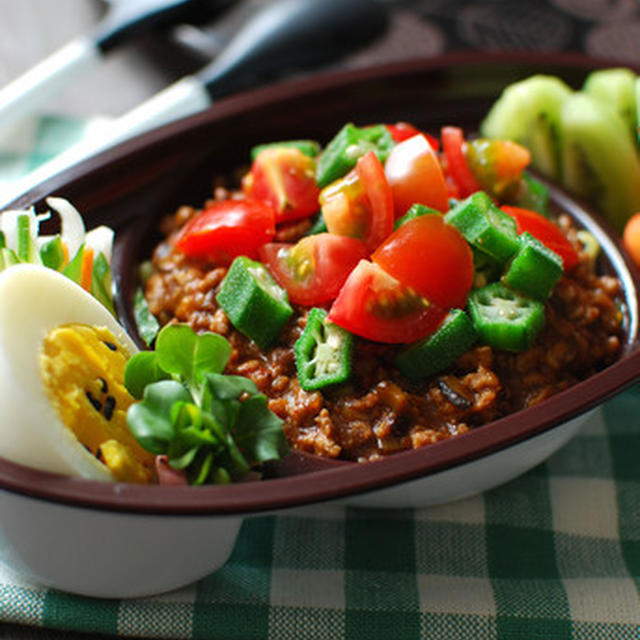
(82, 370)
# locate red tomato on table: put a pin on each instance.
(360, 205)
(546, 231)
(430, 256)
(314, 269)
(227, 229)
(415, 176)
(284, 177)
(374, 305)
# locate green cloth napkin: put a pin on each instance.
(554, 554)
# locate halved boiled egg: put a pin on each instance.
(62, 397)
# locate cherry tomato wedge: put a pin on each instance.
(453, 146)
(284, 177)
(360, 204)
(497, 165)
(430, 256)
(415, 176)
(375, 306)
(546, 231)
(401, 131)
(227, 229)
(314, 269)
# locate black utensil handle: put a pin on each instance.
(129, 19)
(292, 34)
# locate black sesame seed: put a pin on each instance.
(110, 345)
(109, 406)
(104, 387)
(95, 403)
(99, 453)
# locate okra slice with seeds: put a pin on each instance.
(256, 305)
(343, 151)
(505, 319)
(436, 352)
(323, 352)
(534, 270)
(485, 226)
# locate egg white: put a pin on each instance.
(34, 300)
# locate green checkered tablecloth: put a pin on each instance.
(554, 554)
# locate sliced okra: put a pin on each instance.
(505, 319)
(485, 226)
(255, 304)
(310, 148)
(534, 270)
(349, 144)
(486, 269)
(532, 194)
(323, 352)
(415, 211)
(436, 352)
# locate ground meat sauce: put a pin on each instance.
(378, 412)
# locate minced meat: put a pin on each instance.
(377, 412)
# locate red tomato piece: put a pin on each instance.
(374, 305)
(314, 269)
(453, 146)
(401, 131)
(284, 177)
(430, 256)
(360, 205)
(227, 229)
(546, 231)
(415, 176)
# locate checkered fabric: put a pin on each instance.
(554, 554)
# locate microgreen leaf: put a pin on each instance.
(220, 476)
(203, 470)
(150, 420)
(230, 387)
(258, 431)
(183, 353)
(179, 458)
(141, 370)
(213, 426)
